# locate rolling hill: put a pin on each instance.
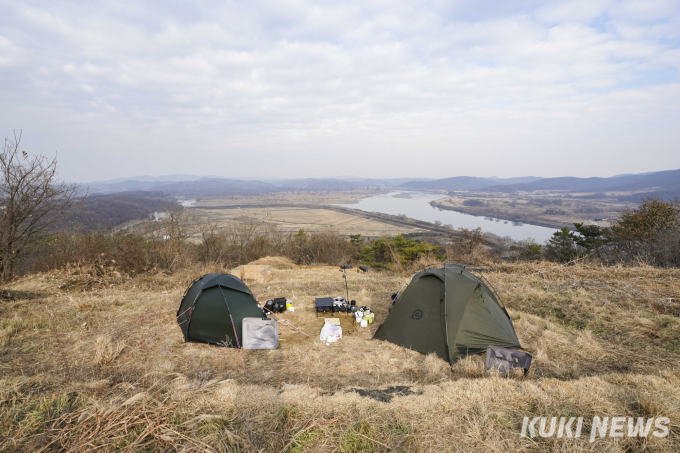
(466, 182)
(665, 184)
(191, 185)
(217, 187)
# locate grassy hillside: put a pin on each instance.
(97, 361)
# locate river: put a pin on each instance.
(416, 205)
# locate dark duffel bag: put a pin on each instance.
(502, 359)
(269, 305)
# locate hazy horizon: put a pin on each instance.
(175, 177)
(300, 89)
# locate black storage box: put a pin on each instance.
(324, 305)
(280, 304)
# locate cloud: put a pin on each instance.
(260, 88)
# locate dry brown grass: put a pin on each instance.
(106, 350)
(277, 262)
(103, 366)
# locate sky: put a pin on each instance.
(287, 89)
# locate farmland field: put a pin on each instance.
(307, 196)
(292, 219)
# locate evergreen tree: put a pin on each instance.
(562, 246)
(590, 237)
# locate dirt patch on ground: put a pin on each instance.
(277, 262)
(385, 396)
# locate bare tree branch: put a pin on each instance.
(32, 199)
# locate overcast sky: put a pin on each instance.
(371, 88)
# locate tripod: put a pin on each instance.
(343, 269)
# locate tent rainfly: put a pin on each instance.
(450, 312)
(210, 305)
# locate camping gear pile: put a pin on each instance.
(277, 305)
(364, 316)
(345, 306)
(340, 304)
(334, 305)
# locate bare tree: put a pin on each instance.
(32, 199)
(468, 241)
(168, 236)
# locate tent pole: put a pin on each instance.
(243, 363)
(446, 318)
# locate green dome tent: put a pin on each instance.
(450, 312)
(209, 305)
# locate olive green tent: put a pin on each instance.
(450, 312)
(210, 304)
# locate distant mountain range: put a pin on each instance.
(215, 187)
(664, 184)
(466, 182)
(147, 178)
(191, 185)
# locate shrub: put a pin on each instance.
(650, 232)
(237, 244)
(530, 250)
(397, 252)
(327, 247)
